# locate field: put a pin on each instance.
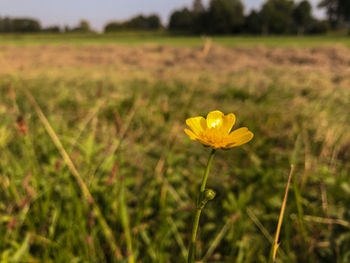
(111, 176)
(162, 38)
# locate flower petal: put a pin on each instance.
(228, 122)
(191, 134)
(239, 140)
(205, 143)
(238, 132)
(215, 119)
(197, 124)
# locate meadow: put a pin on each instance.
(95, 166)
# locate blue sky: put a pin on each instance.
(99, 12)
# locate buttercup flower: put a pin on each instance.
(215, 131)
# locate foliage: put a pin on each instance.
(277, 16)
(20, 25)
(140, 22)
(338, 11)
(302, 16)
(83, 27)
(52, 29)
(181, 20)
(198, 6)
(253, 23)
(222, 17)
(318, 27)
(226, 16)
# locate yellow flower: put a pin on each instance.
(215, 131)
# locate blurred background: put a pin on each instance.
(95, 166)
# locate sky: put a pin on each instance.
(99, 12)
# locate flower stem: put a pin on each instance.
(199, 207)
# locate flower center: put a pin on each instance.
(213, 135)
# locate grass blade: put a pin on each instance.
(280, 220)
(86, 193)
(125, 220)
(219, 237)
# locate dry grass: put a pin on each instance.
(14, 59)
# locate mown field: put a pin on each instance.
(118, 113)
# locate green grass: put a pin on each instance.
(124, 134)
(160, 38)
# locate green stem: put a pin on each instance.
(199, 207)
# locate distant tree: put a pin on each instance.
(20, 25)
(198, 7)
(200, 22)
(253, 23)
(8, 25)
(338, 11)
(332, 10)
(277, 16)
(137, 22)
(140, 22)
(153, 22)
(114, 27)
(51, 29)
(83, 27)
(226, 16)
(317, 27)
(66, 29)
(2, 25)
(302, 16)
(181, 20)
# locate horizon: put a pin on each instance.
(99, 13)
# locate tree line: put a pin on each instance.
(219, 17)
(140, 22)
(227, 17)
(30, 25)
(274, 17)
